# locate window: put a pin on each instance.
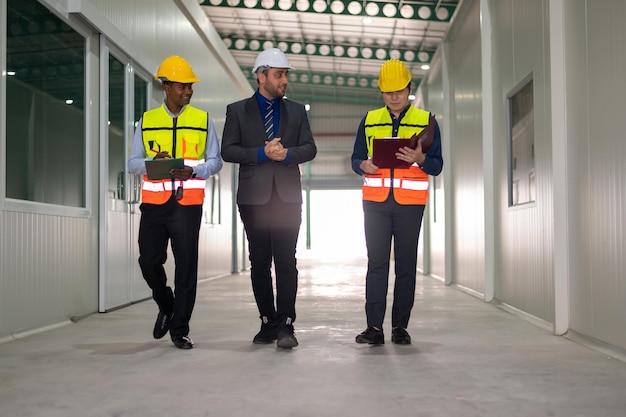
(45, 112)
(215, 196)
(117, 137)
(522, 144)
(141, 105)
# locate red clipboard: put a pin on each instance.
(384, 149)
(427, 135)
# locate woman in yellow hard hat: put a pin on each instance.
(171, 208)
(394, 197)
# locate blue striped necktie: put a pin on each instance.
(269, 120)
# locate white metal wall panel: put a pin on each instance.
(334, 127)
(465, 126)
(41, 285)
(48, 263)
(433, 102)
(596, 58)
(48, 255)
(523, 233)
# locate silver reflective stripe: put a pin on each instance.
(414, 185)
(372, 182)
(156, 187)
(397, 183)
(195, 183)
(193, 162)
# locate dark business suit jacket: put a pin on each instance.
(244, 134)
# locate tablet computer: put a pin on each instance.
(159, 169)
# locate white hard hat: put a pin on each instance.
(270, 58)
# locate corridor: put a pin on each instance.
(468, 358)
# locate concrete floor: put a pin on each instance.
(468, 358)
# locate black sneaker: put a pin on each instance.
(286, 337)
(400, 336)
(267, 334)
(162, 324)
(182, 342)
(371, 336)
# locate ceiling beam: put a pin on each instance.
(337, 51)
(425, 10)
(327, 79)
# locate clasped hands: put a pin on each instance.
(405, 154)
(274, 150)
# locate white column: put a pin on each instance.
(489, 173)
(559, 166)
(448, 167)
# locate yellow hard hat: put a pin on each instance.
(176, 69)
(394, 76)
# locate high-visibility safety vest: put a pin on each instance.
(183, 137)
(410, 185)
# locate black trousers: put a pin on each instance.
(179, 225)
(272, 231)
(384, 221)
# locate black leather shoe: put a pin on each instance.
(267, 334)
(286, 337)
(400, 336)
(371, 336)
(182, 342)
(162, 325)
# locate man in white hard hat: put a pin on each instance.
(171, 209)
(268, 136)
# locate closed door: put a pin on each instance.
(126, 99)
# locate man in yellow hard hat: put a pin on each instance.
(269, 136)
(394, 197)
(171, 208)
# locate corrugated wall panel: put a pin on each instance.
(434, 103)
(47, 271)
(465, 126)
(524, 233)
(595, 103)
(48, 263)
(334, 127)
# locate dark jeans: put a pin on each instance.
(272, 231)
(382, 222)
(180, 226)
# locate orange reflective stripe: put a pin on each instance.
(410, 186)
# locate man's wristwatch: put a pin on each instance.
(194, 173)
